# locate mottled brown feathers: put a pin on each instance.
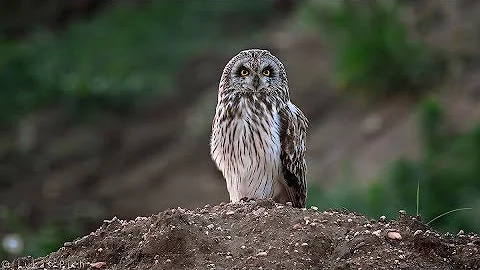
(258, 135)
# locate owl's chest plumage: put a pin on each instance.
(245, 146)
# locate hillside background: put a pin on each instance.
(106, 108)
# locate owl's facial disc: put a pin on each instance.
(255, 79)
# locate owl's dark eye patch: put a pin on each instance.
(243, 71)
(268, 71)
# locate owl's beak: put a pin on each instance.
(256, 81)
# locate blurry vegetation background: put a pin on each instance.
(105, 107)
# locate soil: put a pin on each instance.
(263, 235)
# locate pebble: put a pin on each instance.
(210, 226)
(314, 208)
(263, 253)
(229, 213)
(377, 232)
(258, 211)
(417, 232)
(394, 235)
(98, 264)
(297, 226)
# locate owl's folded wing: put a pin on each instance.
(293, 129)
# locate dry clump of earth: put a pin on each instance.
(262, 235)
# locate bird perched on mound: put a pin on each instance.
(258, 134)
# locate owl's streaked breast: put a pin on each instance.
(246, 147)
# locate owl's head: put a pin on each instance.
(254, 70)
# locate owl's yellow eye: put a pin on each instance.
(244, 72)
(267, 72)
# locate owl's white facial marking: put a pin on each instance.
(256, 73)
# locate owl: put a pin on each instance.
(258, 134)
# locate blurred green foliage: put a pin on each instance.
(373, 52)
(37, 242)
(126, 53)
(448, 173)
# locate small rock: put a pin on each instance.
(377, 233)
(289, 204)
(98, 265)
(314, 208)
(210, 226)
(394, 235)
(229, 213)
(263, 253)
(383, 218)
(297, 226)
(417, 232)
(258, 211)
(461, 232)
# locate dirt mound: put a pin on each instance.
(262, 235)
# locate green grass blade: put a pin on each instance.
(446, 213)
(418, 195)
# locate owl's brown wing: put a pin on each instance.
(293, 130)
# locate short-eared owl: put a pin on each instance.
(258, 134)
